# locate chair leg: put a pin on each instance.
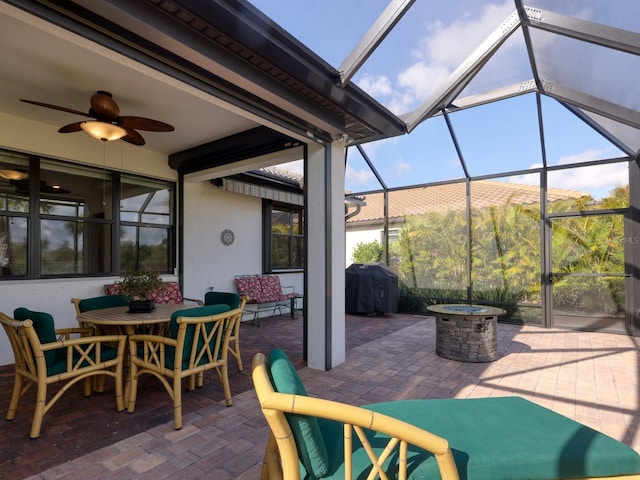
(87, 386)
(15, 397)
(131, 388)
(177, 402)
(38, 414)
(99, 383)
(120, 403)
(235, 351)
(224, 379)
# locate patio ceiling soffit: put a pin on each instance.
(229, 49)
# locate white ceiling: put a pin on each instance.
(44, 63)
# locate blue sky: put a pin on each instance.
(426, 46)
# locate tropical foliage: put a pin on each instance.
(367, 252)
(505, 266)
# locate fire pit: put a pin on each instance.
(467, 333)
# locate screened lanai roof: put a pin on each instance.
(485, 87)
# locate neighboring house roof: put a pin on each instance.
(282, 175)
(452, 196)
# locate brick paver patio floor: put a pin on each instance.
(590, 377)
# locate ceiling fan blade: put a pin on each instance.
(141, 123)
(72, 127)
(56, 107)
(133, 137)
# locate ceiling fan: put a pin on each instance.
(108, 124)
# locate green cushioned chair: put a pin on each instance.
(45, 356)
(234, 300)
(96, 303)
(198, 341)
(498, 438)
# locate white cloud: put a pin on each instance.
(596, 180)
(380, 85)
(357, 177)
(402, 167)
(438, 53)
(586, 156)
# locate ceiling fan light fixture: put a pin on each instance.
(103, 131)
(13, 174)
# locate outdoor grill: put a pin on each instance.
(371, 288)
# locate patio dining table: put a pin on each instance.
(123, 321)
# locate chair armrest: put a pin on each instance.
(360, 417)
(65, 333)
(293, 289)
(86, 349)
(147, 338)
(194, 300)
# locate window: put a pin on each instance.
(394, 235)
(146, 225)
(74, 230)
(75, 223)
(14, 215)
(285, 238)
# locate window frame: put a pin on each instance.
(268, 207)
(35, 216)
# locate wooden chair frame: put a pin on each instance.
(281, 459)
(281, 455)
(31, 366)
(149, 356)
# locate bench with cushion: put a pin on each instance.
(265, 293)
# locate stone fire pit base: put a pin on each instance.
(467, 333)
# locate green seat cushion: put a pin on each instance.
(45, 329)
(498, 438)
(306, 430)
(104, 301)
(204, 311)
(228, 298)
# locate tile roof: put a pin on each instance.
(452, 196)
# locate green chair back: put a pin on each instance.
(227, 298)
(188, 339)
(104, 301)
(44, 326)
(312, 449)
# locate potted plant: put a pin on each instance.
(138, 287)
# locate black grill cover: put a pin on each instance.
(370, 288)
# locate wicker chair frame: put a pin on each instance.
(149, 356)
(81, 364)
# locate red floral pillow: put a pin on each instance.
(250, 287)
(271, 289)
(171, 294)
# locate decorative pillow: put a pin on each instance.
(111, 289)
(171, 294)
(271, 289)
(250, 286)
(306, 430)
